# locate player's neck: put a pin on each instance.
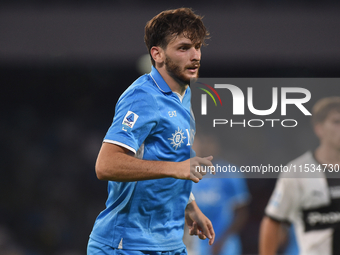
(174, 84)
(327, 155)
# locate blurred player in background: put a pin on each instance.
(312, 205)
(150, 139)
(224, 199)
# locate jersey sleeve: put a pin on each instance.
(284, 200)
(136, 115)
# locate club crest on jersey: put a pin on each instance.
(177, 138)
(129, 120)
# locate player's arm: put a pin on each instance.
(198, 223)
(241, 215)
(240, 219)
(270, 237)
(116, 163)
(284, 202)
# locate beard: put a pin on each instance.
(175, 71)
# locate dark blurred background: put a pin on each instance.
(63, 65)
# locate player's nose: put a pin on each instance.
(195, 54)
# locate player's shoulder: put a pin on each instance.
(297, 165)
(143, 87)
(143, 84)
(305, 158)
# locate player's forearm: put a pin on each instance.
(126, 168)
(115, 165)
(191, 207)
(240, 219)
(269, 236)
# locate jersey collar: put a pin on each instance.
(158, 79)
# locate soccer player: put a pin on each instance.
(311, 204)
(145, 155)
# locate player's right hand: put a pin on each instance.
(198, 169)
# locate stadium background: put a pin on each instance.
(63, 65)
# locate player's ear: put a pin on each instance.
(157, 54)
(318, 130)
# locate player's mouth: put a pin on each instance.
(193, 69)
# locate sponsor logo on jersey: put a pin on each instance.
(172, 114)
(177, 138)
(129, 120)
(322, 217)
(314, 218)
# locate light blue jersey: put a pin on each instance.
(151, 121)
(217, 197)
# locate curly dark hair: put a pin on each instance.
(171, 23)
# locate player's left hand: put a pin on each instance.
(198, 223)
